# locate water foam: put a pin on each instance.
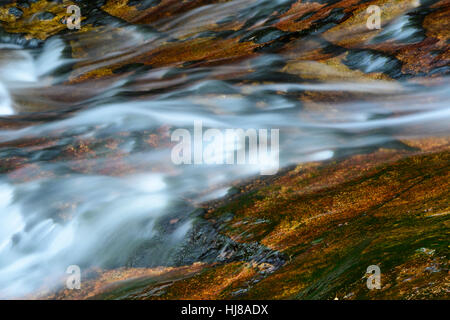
(21, 70)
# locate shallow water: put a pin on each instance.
(91, 161)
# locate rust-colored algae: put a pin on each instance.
(333, 220)
(371, 213)
(387, 207)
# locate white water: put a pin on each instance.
(5, 102)
(92, 218)
(21, 70)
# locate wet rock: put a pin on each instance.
(46, 16)
(263, 35)
(405, 29)
(16, 12)
(370, 62)
(143, 5)
(19, 39)
(202, 243)
(233, 191)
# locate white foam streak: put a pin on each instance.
(20, 70)
(5, 102)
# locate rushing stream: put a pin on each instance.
(89, 169)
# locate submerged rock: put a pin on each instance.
(309, 232)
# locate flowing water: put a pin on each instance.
(87, 168)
